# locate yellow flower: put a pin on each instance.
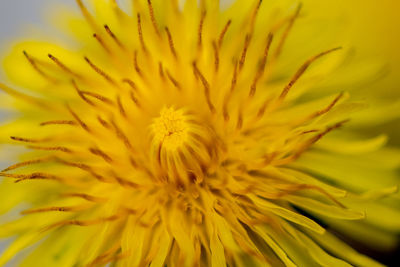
(193, 136)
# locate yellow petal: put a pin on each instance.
(352, 147)
(164, 247)
(341, 249)
(19, 244)
(287, 214)
(217, 252)
(275, 247)
(324, 209)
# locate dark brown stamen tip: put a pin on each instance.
(301, 71)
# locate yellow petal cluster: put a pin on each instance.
(183, 134)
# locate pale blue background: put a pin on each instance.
(16, 14)
(16, 17)
(19, 17)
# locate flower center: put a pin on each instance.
(171, 128)
(183, 149)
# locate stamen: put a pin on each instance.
(287, 31)
(224, 30)
(121, 107)
(101, 42)
(244, 52)
(131, 83)
(328, 108)
(305, 146)
(87, 14)
(58, 122)
(27, 98)
(301, 71)
(32, 176)
(261, 67)
(200, 31)
(85, 168)
(133, 162)
(125, 183)
(263, 108)
(82, 222)
(26, 163)
(81, 166)
(234, 77)
(81, 95)
(327, 130)
(225, 111)
(173, 80)
(216, 55)
(171, 42)
(229, 94)
(239, 124)
(134, 99)
(120, 134)
(101, 153)
(98, 97)
(62, 66)
(152, 17)
(62, 209)
(85, 196)
(27, 140)
(104, 123)
(254, 15)
(161, 70)
(140, 32)
(309, 131)
(112, 35)
(135, 61)
(52, 148)
(34, 65)
(76, 117)
(100, 72)
(206, 86)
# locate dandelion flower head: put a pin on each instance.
(185, 134)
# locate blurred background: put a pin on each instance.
(375, 23)
(374, 27)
